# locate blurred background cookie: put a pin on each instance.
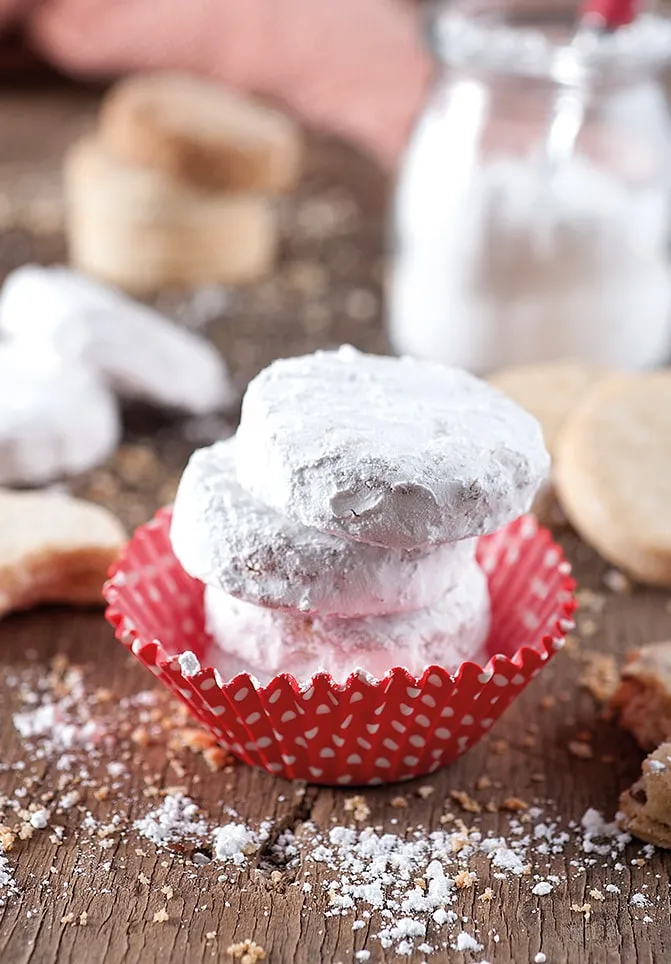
(200, 133)
(613, 473)
(142, 230)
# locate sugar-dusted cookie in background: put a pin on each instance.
(643, 698)
(613, 473)
(267, 641)
(228, 539)
(133, 348)
(394, 452)
(56, 417)
(143, 231)
(199, 132)
(645, 808)
(54, 549)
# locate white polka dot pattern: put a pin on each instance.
(365, 731)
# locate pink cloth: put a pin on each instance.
(354, 67)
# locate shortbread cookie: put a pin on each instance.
(143, 231)
(394, 452)
(54, 549)
(56, 417)
(139, 352)
(613, 473)
(269, 641)
(645, 808)
(549, 391)
(227, 538)
(643, 698)
(198, 131)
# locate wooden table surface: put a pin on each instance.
(552, 747)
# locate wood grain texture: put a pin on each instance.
(266, 902)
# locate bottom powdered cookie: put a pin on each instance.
(261, 641)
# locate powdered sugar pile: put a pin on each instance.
(178, 820)
(174, 820)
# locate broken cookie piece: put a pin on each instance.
(54, 549)
(643, 698)
(645, 808)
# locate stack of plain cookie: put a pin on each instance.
(176, 185)
(338, 529)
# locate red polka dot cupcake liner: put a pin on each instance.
(364, 731)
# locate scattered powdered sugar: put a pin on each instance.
(189, 663)
(235, 842)
(400, 890)
(177, 818)
(465, 942)
(7, 883)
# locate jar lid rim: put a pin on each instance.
(461, 37)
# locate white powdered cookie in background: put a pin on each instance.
(227, 538)
(143, 231)
(198, 131)
(550, 391)
(394, 452)
(54, 549)
(139, 352)
(268, 641)
(613, 473)
(56, 417)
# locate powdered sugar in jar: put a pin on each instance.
(532, 211)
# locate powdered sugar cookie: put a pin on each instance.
(138, 351)
(267, 641)
(227, 538)
(549, 391)
(394, 452)
(198, 131)
(613, 473)
(54, 549)
(56, 417)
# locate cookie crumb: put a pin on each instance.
(580, 749)
(168, 891)
(247, 952)
(425, 792)
(600, 676)
(585, 909)
(161, 916)
(596, 894)
(616, 581)
(465, 801)
(483, 782)
(464, 879)
(514, 805)
(358, 807)
(68, 918)
(499, 747)
(487, 894)
(399, 803)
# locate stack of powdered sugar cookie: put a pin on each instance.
(338, 530)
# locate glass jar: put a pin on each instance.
(531, 217)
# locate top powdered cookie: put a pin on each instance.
(394, 452)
